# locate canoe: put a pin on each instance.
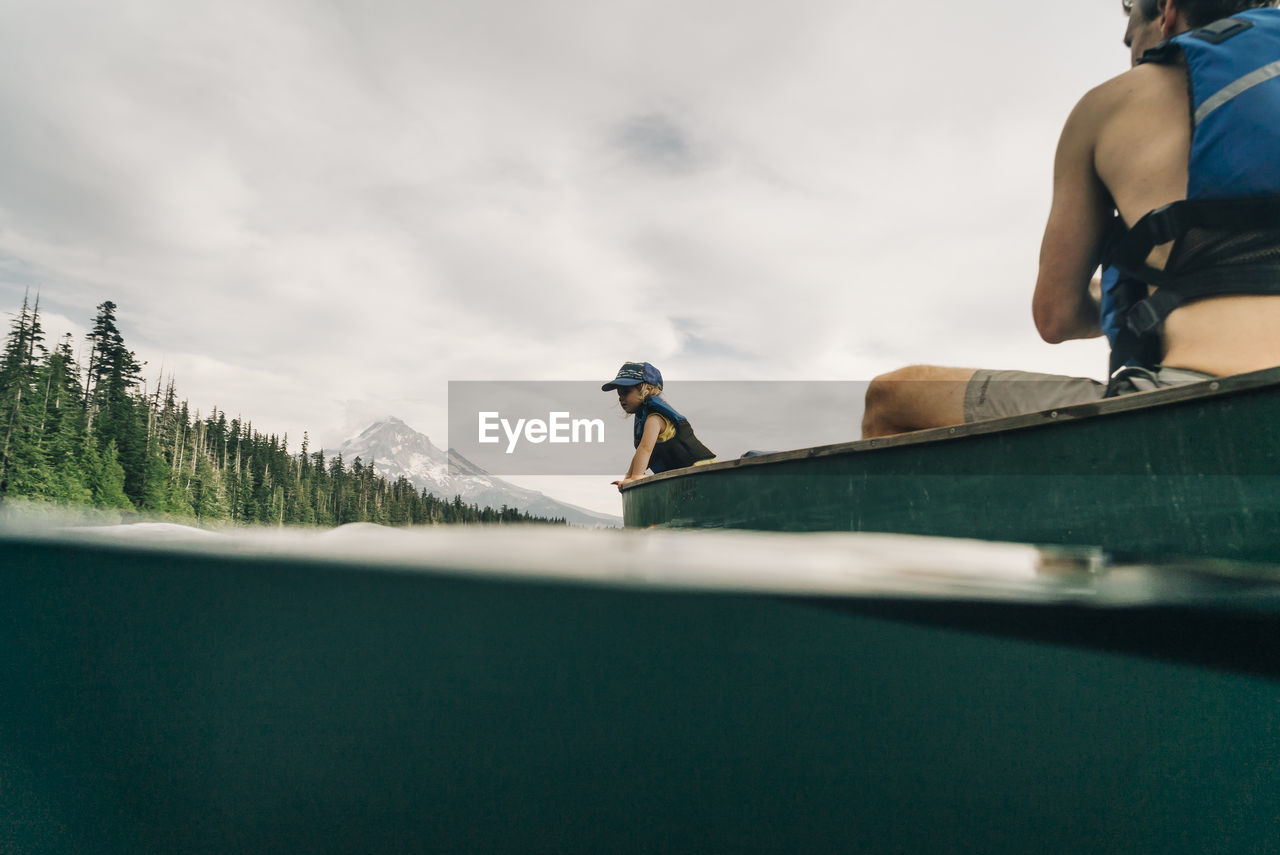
(1192, 470)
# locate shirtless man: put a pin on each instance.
(1125, 147)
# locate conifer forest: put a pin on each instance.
(94, 435)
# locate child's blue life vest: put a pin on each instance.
(680, 447)
(1227, 231)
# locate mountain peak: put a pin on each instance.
(395, 449)
(390, 436)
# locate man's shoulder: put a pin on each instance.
(1134, 91)
(1139, 81)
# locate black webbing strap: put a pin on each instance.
(1172, 221)
(1126, 345)
(1149, 313)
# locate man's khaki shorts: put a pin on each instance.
(995, 394)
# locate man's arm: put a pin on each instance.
(1062, 306)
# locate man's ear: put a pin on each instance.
(1172, 21)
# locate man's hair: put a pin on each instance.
(1198, 12)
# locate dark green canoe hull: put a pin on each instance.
(1191, 471)
(154, 702)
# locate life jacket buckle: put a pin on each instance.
(1143, 318)
(1165, 224)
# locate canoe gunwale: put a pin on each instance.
(1155, 399)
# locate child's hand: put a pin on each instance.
(619, 484)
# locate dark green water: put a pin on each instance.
(572, 691)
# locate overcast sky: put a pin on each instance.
(316, 214)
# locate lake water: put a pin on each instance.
(525, 689)
(835, 564)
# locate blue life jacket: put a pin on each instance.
(1227, 230)
(1111, 307)
(681, 449)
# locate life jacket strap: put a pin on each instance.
(1170, 222)
(1148, 314)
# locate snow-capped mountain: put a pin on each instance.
(395, 449)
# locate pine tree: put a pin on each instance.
(62, 428)
(22, 467)
(209, 499)
(106, 477)
(158, 484)
(247, 505)
(114, 415)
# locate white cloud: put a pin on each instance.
(316, 214)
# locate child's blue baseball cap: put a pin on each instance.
(633, 374)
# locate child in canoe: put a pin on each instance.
(663, 438)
